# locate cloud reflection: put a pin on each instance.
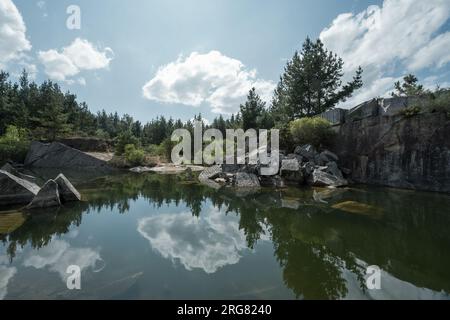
(209, 242)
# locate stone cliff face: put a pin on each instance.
(387, 149)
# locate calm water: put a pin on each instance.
(160, 237)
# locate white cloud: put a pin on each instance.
(209, 242)
(13, 41)
(80, 55)
(435, 54)
(390, 40)
(211, 78)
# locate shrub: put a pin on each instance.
(315, 131)
(167, 146)
(14, 145)
(134, 156)
(410, 111)
(155, 150)
(440, 102)
(124, 139)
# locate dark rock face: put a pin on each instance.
(58, 155)
(291, 171)
(9, 168)
(394, 151)
(48, 196)
(246, 180)
(14, 190)
(67, 191)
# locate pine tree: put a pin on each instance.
(252, 111)
(409, 87)
(311, 83)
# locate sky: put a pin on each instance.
(183, 57)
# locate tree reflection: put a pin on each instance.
(316, 245)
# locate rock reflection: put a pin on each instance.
(322, 251)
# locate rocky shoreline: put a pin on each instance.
(306, 166)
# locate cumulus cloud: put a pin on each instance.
(208, 243)
(13, 41)
(211, 78)
(391, 40)
(80, 55)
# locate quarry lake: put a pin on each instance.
(150, 236)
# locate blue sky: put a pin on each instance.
(180, 57)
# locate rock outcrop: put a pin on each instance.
(67, 191)
(58, 155)
(298, 169)
(48, 196)
(9, 168)
(246, 180)
(14, 190)
(379, 146)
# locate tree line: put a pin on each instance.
(310, 84)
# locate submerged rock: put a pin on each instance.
(358, 208)
(67, 191)
(48, 196)
(11, 221)
(14, 190)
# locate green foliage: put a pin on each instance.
(409, 87)
(134, 156)
(167, 146)
(440, 102)
(102, 134)
(14, 145)
(311, 83)
(125, 138)
(410, 111)
(315, 131)
(254, 113)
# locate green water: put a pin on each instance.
(160, 237)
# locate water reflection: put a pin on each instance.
(208, 242)
(322, 239)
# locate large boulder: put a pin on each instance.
(212, 172)
(48, 196)
(306, 151)
(14, 190)
(12, 170)
(272, 181)
(58, 155)
(67, 191)
(321, 178)
(291, 171)
(246, 180)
